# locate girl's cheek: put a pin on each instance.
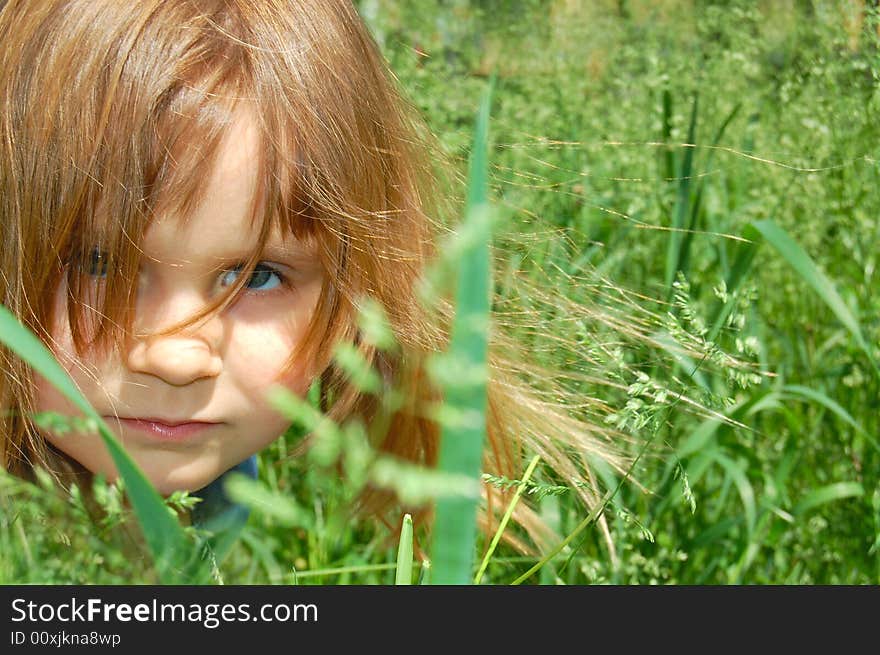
(49, 399)
(258, 360)
(62, 346)
(85, 371)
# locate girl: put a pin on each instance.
(195, 198)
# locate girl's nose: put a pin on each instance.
(179, 359)
(176, 359)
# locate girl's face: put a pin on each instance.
(214, 375)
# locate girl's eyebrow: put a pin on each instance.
(289, 248)
(294, 251)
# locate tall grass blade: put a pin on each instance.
(697, 203)
(822, 399)
(745, 255)
(743, 487)
(461, 445)
(506, 518)
(666, 135)
(172, 552)
(682, 202)
(828, 494)
(800, 261)
(588, 520)
(403, 572)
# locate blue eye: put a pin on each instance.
(261, 278)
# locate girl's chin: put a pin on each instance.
(168, 487)
(166, 484)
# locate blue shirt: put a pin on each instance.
(217, 511)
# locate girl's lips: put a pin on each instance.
(157, 430)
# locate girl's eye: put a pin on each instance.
(264, 277)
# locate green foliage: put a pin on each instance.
(403, 574)
(47, 537)
(601, 149)
(462, 442)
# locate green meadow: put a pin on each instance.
(675, 203)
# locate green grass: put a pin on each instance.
(462, 441)
(736, 235)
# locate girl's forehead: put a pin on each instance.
(240, 151)
(225, 185)
(226, 221)
(209, 204)
(225, 166)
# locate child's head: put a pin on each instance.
(193, 197)
(217, 372)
